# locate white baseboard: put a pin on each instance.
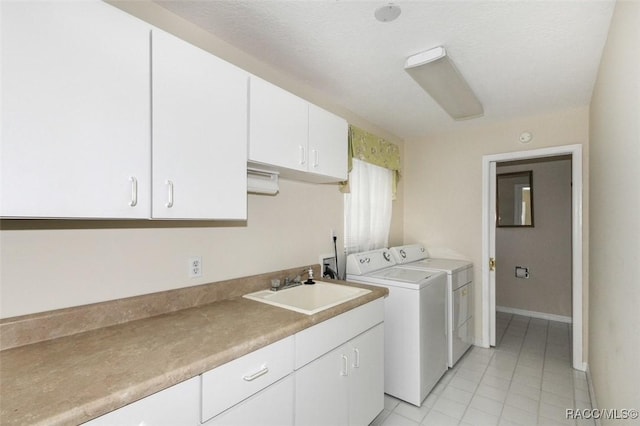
(581, 367)
(534, 314)
(592, 394)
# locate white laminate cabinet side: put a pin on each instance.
(177, 405)
(199, 133)
(229, 384)
(75, 113)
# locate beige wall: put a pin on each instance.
(50, 264)
(614, 350)
(443, 185)
(74, 263)
(545, 248)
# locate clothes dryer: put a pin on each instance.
(415, 322)
(460, 322)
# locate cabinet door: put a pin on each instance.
(177, 405)
(199, 133)
(322, 392)
(366, 381)
(328, 144)
(75, 111)
(271, 407)
(278, 128)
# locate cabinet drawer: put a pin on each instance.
(322, 338)
(177, 405)
(269, 407)
(233, 382)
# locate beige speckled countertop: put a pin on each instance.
(72, 379)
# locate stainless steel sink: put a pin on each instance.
(308, 299)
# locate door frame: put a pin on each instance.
(488, 241)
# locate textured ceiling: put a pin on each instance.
(520, 57)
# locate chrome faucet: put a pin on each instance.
(288, 283)
(292, 282)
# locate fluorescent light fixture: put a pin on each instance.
(438, 76)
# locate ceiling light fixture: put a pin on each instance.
(438, 76)
(387, 13)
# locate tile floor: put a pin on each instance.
(525, 380)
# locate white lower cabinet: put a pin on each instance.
(328, 374)
(344, 386)
(366, 376)
(177, 405)
(322, 396)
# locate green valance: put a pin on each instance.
(368, 147)
(373, 149)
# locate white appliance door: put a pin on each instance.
(462, 298)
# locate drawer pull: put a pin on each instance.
(251, 377)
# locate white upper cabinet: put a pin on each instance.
(75, 111)
(328, 135)
(103, 117)
(199, 133)
(294, 137)
(278, 128)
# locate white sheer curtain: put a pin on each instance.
(367, 212)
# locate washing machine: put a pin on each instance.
(460, 322)
(415, 346)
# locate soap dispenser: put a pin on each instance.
(310, 274)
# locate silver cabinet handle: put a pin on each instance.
(134, 191)
(251, 377)
(170, 199)
(345, 366)
(302, 155)
(316, 158)
(356, 360)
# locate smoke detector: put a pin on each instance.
(387, 13)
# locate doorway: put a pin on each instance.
(489, 246)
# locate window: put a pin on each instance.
(367, 210)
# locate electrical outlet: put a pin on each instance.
(195, 267)
(332, 232)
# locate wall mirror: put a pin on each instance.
(514, 195)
